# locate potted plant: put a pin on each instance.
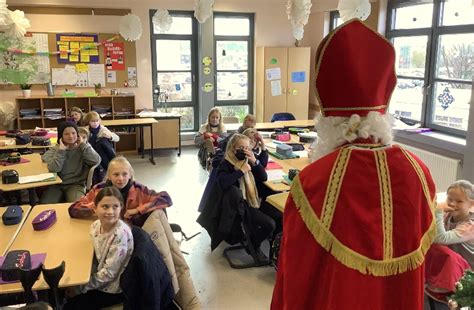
(98, 89)
(26, 90)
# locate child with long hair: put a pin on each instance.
(455, 228)
(241, 169)
(139, 200)
(113, 247)
(76, 116)
(213, 131)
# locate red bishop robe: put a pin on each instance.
(356, 227)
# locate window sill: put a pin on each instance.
(435, 142)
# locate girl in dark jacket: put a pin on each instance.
(241, 169)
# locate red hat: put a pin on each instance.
(355, 71)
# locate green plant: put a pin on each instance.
(97, 86)
(25, 86)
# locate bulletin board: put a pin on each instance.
(129, 60)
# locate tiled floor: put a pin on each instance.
(218, 285)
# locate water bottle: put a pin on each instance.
(50, 89)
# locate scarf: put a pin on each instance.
(246, 183)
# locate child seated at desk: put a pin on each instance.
(76, 116)
(71, 159)
(209, 135)
(241, 169)
(113, 247)
(101, 138)
(250, 121)
(139, 200)
(455, 228)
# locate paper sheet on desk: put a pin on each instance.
(44, 177)
(301, 154)
(275, 174)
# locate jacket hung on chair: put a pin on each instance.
(159, 229)
(146, 282)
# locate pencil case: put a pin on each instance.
(44, 220)
(12, 215)
(14, 261)
(281, 136)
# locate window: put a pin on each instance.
(334, 20)
(233, 39)
(434, 44)
(174, 68)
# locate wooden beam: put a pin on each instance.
(67, 10)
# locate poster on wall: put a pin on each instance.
(77, 48)
(24, 60)
(114, 56)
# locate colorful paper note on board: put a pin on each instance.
(298, 77)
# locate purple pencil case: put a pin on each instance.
(44, 220)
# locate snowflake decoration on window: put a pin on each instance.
(446, 98)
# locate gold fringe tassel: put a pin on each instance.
(349, 257)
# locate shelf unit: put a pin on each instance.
(121, 107)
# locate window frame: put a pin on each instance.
(333, 16)
(193, 38)
(433, 33)
(250, 64)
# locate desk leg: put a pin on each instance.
(32, 196)
(179, 135)
(142, 146)
(152, 149)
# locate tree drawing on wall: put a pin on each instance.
(16, 68)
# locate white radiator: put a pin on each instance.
(444, 170)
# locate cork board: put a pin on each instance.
(130, 60)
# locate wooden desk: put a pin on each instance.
(278, 200)
(298, 123)
(33, 167)
(68, 239)
(259, 126)
(9, 232)
(136, 122)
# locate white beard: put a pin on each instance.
(334, 131)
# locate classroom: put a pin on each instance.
(238, 154)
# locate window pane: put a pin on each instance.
(180, 25)
(451, 105)
(235, 110)
(231, 26)
(458, 12)
(187, 116)
(410, 55)
(232, 85)
(407, 99)
(177, 84)
(414, 16)
(173, 55)
(232, 55)
(456, 56)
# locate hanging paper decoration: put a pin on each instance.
(162, 20)
(13, 23)
(130, 27)
(445, 98)
(349, 9)
(203, 9)
(3, 13)
(298, 13)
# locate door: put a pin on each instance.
(298, 81)
(275, 61)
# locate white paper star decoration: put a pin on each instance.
(130, 27)
(349, 9)
(162, 20)
(298, 13)
(203, 9)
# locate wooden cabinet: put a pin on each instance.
(110, 107)
(282, 81)
(166, 133)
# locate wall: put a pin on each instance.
(271, 29)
